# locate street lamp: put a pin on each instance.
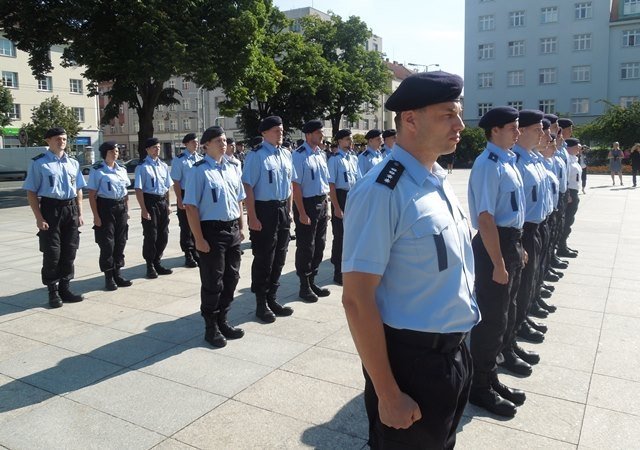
(425, 66)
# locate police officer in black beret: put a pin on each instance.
(389, 138)
(372, 154)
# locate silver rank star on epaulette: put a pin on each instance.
(390, 174)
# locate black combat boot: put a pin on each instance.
(484, 396)
(306, 293)
(527, 333)
(320, 292)
(66, 295)
(212, 333)
(109, 281)
(538, 312)
(119, 279)
(538, 326)
(189, 260)
(226, 329)
(54, 298)
(337, 277)
(513, 363)
(528, 356)
(515, 396)
(151, 271)
(263, 312)
(276, 307)
(161, 269)
(547, 306)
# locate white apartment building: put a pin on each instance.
(569, 57)
(28, 92)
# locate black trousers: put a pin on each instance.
(570, 216)
(311, 239)
(111, 236)
(545, 253)
(60, 242)
(187, 243)
(156, 230)
(269, 245)
(562, 211)
(437, 379)
(220, 268)
(634, 173)
(497, 302)
(337, 227)
(584, 177)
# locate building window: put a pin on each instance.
(631, 38)
(631, 7)
(547, 106)
(485, 80)
(172, 107)
(172, 84)
(487, 23)
(548, 76)
(516, 48)
(7, 48)
(185, 85)
(45, 84)
(485, 51)
(173, 125)
(580, 105)
(136, 126)
(625, 102)
(516, 19)
(79, 112)
(75, 86)
(548, 45)
(112, 129)
(583, 10)
(580, 74)
(515, 78)
(10, 79)
(14, 114)
(630, 71)
(549, 14)
(186, 124)
(483, 108)
(186, 104)
(581, 42)
(160, 125)
(517, 104)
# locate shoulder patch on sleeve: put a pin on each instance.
(37, 157)
(199, 163)
(493, 157)
(181, 155)
(365, 153)
(390, 174)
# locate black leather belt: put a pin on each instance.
(316, 198)
(438, 342)
(510, 232)
(57, 202)
(111, 201)
(154, 197)
(273, 202)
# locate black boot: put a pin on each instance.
(515, 396)
(54, 298)
(555, 272)
(538, 326)
(527, 356)
(66, 295)
(538, 312)
(263, 312)
(276, 307)
(546, 306)
(566, 253)
(189, 260)
(529, 334)
(306, 293)
(514, 364)
(212, 333)
(161, 269)
(549, 287)
(119, 279)
(320, 292)
(551, 277)
(151, 271)
(227, 330)
(484, 396)
(109, 282)
(545, 293)
(557, 263)
(337, 277)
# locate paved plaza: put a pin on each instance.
(130, 370)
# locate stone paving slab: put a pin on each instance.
(130, 369)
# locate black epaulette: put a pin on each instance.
(365, 153)
(199, 163)
(493, 157)
(98, 165)
(37, 157)
(390, 175)
(301, 149)
(181, 155)
(257, 148)
(518, 157)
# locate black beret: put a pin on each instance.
(57, 131)
(498, 117)
(529, 117)
(105, 147)
(341, 134)
(231, 140)
(188, 137)
(565, 123)
(311, 126)
(389, 133)
(269, 122)
(256, 141)
(546, 124)
(151, 142)
(211, 133)
(551, 118)
(572, 142)
(423, 89)
(372, 134)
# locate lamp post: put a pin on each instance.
(425, 66)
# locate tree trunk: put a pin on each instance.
(149, 93)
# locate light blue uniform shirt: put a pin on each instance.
(561, 171)
(368, 159)
(268, 170)
(343, 170)
(546, 183)
(550, 167)
(495, 186)
(215, 189)
(53, 177)
(109, 183)
(310, 171)
(153, 177)
(181, 166)
(534, 202)
(417, 238)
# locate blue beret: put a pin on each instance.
(389, 133)
(151, 142)
(312, 126)
(546, 124)
(372, 134)
(529, 117)
(105, 147)
(551, 118)
(572, 142)
(424, 89)
(211, 133)
(269, 122)
(341, 134)
(56, 131)
(498, 117)
(565, 123)
(188, 137)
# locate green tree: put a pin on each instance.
(51, 113)
(6, 106)
(472, 142)
(139, 45)
(616, 124)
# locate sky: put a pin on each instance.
(413, 31)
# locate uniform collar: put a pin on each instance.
(53, 157)
(375, 152)
(150, 160)
(412, 166)
(341, 152)
(309, 149)
(524, 154)
(269, 147)
(506, 156)
(192, 156)
(215, 164)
